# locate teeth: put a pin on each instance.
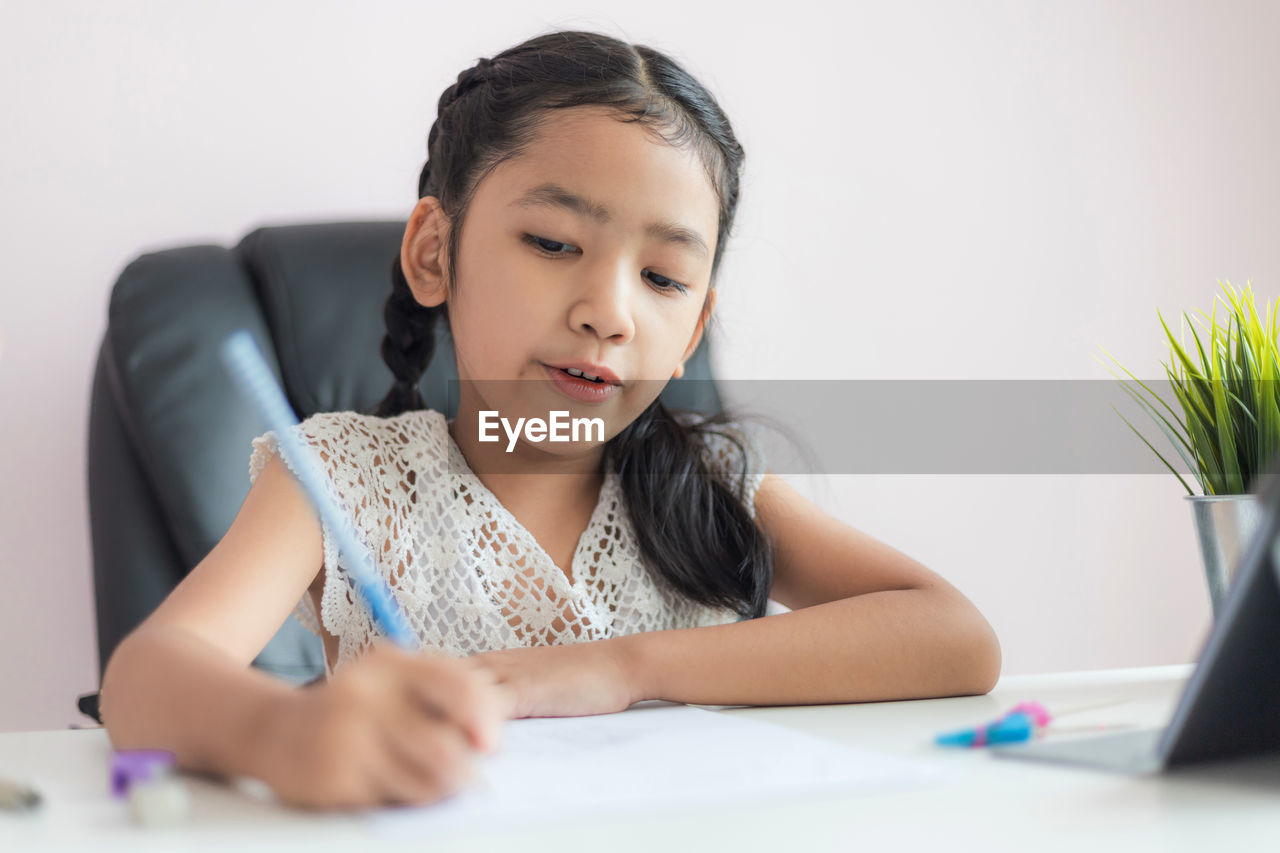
(573, 371)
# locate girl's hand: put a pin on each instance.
(562, 681)
(392, 727)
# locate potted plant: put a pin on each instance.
(1228, 428)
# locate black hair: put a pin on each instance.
(694, 530)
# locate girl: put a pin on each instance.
(572, 215)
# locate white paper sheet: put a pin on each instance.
(646, 758)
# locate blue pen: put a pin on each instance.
(253, 377)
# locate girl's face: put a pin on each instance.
(594, 246)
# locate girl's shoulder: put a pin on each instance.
(355, 442)
(359, 426)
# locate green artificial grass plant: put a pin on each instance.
(1229, 427)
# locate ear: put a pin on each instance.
(697, 332)
(423, 252)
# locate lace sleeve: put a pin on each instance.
(325, 433)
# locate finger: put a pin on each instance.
(399, 784)
(506, 692)
(508, 700)
(457, 692)
(436, 748)
(424, 762)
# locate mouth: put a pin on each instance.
(596, 376)
(585, 388)
(573, 371)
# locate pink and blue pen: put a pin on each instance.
(252, 376)
(1020, 724)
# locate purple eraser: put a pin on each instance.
(129, 766)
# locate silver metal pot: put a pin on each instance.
(1224, 525)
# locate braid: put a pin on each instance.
(468, 81)
(407, 346)
(410, 342)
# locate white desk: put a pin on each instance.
(988, 803)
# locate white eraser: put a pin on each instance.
(159, 802)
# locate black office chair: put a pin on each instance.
(169, 436)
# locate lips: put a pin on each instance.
(579, 389)
(588, 368)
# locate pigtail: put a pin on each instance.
(410, 341)
(407, 346)
(693, 529)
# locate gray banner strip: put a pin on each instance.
(931, 426)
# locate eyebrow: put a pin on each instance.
(554, 195)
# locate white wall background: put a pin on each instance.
(1014, 183)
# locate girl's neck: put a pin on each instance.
(580, 475)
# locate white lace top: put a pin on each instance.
(469, 577)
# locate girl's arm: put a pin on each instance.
(868, 623)
(391, 727)
(181, 680)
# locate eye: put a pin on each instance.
(548, 247)
(552, 249)
(664, 283)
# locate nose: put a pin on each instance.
(602, 304)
